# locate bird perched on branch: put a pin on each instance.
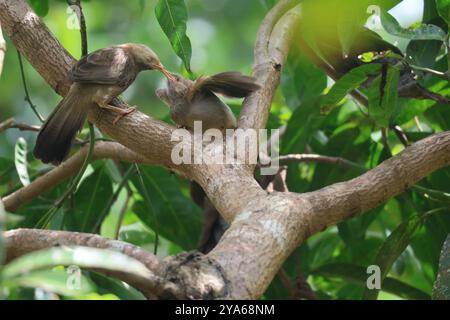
(97, 79)
(191, 101)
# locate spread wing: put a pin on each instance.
(232, 84)
(110, 66)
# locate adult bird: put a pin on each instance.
(97, 79)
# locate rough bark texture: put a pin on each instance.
(265, 228)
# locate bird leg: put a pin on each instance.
(121, 112)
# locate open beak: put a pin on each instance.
(166, 72)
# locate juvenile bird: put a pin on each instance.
(191, 101)
(97, 79)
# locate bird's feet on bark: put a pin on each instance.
(125, 112)
(120, 111)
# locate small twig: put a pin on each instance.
(432, 194)
(2, 50)
(436, 73)
(97, 139)
(25, 88)
(401, 135)
(302, 289)
(83, 29)
(384, 140)
(447, 45)
(25, 127)
(5, 125)
(317, 158)
(12, 124)
(417, 121)
(287, 283)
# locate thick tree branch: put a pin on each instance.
(265, 228)
(271, 50)
(22, 241)
(341, 201)
(103, 150)
(273, 225)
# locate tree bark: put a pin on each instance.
(265, 228)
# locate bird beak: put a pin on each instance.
(165, 72)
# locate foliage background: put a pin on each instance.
(222, 33)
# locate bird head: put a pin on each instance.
(147, 59)
(178, 85)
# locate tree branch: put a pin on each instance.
(309, 157)
(268, 230)
(12, 124)
(22, 241)
(103, 150)
(271, 50)
(265, 228)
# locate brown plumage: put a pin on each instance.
(191, 101)
(97, 79)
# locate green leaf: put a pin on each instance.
(91, 197)
(394, 245)
(441, 288)
(6, 169)
(40, 7)
(351, 18)
(423, 53)
(349, 82)
(52, 281)
(118, 288)
(137, 234)
(434, 194)
(423, 32)
(301, 80)
(443, 8)
(83, 257)
(383, 96)
(20, 159)
(354, 230)
(172, 17)
(167, 210)
(358, 275)
(341, 144)
(32, 212)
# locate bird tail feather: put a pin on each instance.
(58, 132)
